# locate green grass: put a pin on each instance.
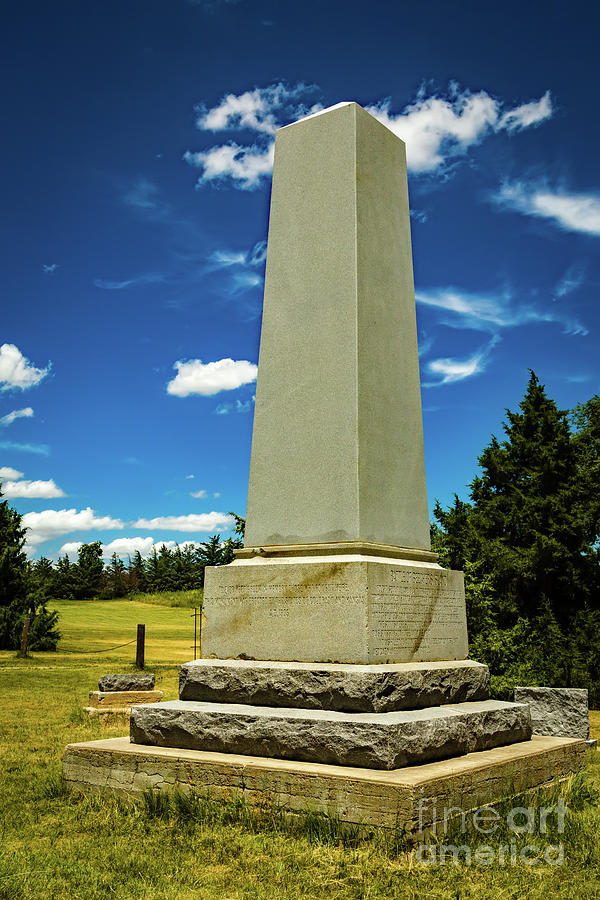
(53, 844)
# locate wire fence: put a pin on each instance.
(103, 650)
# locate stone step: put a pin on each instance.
(350, 688)
(387, 740)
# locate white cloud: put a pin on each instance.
(245, 166)
(528, 114)
(568, 211)
(451, 370)
(8, 472)
(493, 312)
(51, 268)
(32, 489)
(10, 417)
(16, 371)
(199, 495)
(195, 377)
(208, 522)
(51, 523)
(254, 110)
(190, 476)
(70, 549)
(437, 129)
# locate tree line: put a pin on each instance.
(27, 588)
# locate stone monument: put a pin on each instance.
(337, 564)
(335, 671)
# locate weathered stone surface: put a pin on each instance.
(372, 740)
(102, 699)
(409, 797)
(128, 681)
(562, 712)
(356, 609)
(349, 688)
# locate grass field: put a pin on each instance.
(54, 845)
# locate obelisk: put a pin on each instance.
(337, 563)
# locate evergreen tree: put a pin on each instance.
(19, 598)
(115, 577)
(89, 571)
(137, 573)
(528, 541)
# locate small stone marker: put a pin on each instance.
(119, 692)
(128, 681)
(561, 712)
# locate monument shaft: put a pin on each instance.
(337, 450)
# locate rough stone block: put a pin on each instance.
(129, 681)
(371, 740)
(328, 609)
(348, 688)
(562, 712)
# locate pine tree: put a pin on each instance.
(19, 598)
(526, 512)
(90, 568)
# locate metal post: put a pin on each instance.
(139, 654)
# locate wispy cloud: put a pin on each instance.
(528, 114)
(16, 371)
(198, 495)
(449, 370)
(211, 6)
(41, 449)
(437, 128)
(143, 194)
(49, 269)
(194, 522)
(52, 523)
(258, 110)
(223, 409)
(32, 489)
(571, 281)
(148, 278)
(493, 312)
(10, 417)
(566, 210)
(195, 377)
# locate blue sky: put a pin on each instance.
(137, 157)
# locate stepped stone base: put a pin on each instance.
(407, 796)
(349, 607)
(348, 688)
(374, 740)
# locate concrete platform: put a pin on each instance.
(408, 796)
(348, 688)
(374, 740)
